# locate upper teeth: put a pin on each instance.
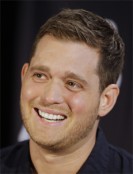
(50, 116)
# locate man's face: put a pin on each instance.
(60, 93)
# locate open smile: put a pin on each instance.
(49, 116)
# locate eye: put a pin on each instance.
(39, 77)
(74, 85)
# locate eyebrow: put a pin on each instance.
(40, 68)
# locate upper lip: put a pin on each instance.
(52, 111)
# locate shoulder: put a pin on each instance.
(14, 150)
(106, 158)
(14, 157)
(120, 159)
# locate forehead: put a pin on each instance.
(65, 54)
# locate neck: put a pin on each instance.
(66, 162)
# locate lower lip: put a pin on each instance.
(45, 122)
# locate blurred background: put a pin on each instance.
(20, 23)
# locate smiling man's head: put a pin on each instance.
(69, 82)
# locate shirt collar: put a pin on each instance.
(99, 158)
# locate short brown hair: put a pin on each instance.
(84, 26)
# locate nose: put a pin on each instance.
(53, 93)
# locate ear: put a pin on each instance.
(24, 70)
(108, 99)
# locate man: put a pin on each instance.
(68, 85)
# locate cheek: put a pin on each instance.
(78, 104)
(84, 104)
(28, 92)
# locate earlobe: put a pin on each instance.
(24, 70)
(108, 99)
